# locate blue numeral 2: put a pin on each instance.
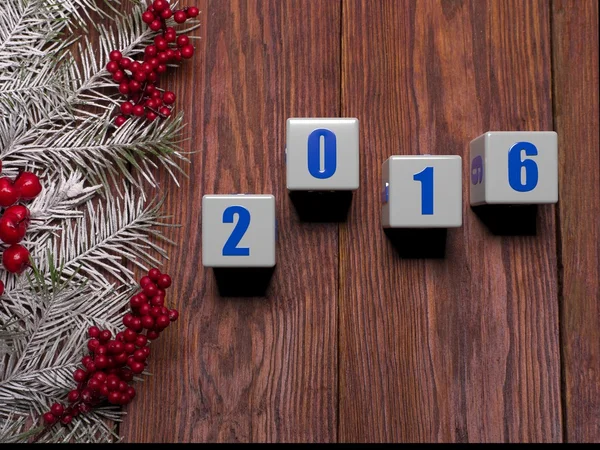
(230, 248)
(314, 154)
(426, 179)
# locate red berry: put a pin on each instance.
(162, 322)
(155, 311)
(171, 36)
(153, 274)
(136, 367)
(154, 62)
(166, 13)
(125, 63)
(124, 87)
(150, 290)
(79, 375)
(84, 408)
(130, 335)
(144, 309)
(73, 396)
(127, 318)
(115, 347)
(162, 68)
(114, 397)
(138, 110)
(164, 311)
(147, 67)
(152, 77)
(29, 185)
(101, 361)
(134, 86)
(150, 115)
(87, 395)
(112, 66)
(9, 192)
(183, 40)
(12, 229)
(136, 324)
(141, 340)
(164, 282)
(100, 350)
(129, 348)
(120, 120)
(15, 258)
(19, 210)
(148, 17)
(105, 336)
(120, 336)
(165, 111)
(119, 76)
(100, 376)
(94, 384)
(161, 43)
(157, 300)
(170, 54)
(67, 419)
(159, 5)
(57, 409)
(131, 392)
(135, 66)
(173, 315)
(121, 358)
(140, 76)
(144, 281)
(139, 355)
(147, 322)
(180, 16)
(151, 51)
(93, 344)
(155, 25)
(187, 51)
(192, 11)
(115, 55)
(168, 98)
(126, 108)
(49, 418)
(90, 367)
(86, 360)
(152, 334)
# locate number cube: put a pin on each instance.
(422, 192)
(322, 154)
(514, 167)
(238, 230)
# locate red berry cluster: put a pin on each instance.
(137, 79)
(15, 218)
(112, 363)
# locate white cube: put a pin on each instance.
(422, 192)
(322, 154)
(514, 167)
(238, 230)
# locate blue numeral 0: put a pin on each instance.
(230, 248)
(314, 153)
(426, 179)
(516, 164)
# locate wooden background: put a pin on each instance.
(498, 342)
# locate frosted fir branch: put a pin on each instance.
(111, 235)
(54, 315)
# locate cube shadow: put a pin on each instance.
(243, 281)
(418, 243)
(321, 206)
(508, 220)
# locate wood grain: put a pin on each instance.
(575, 50)
(466, 348)
(258, 369)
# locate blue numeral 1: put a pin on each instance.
(314, 153)
(230, 248)
(426, 179)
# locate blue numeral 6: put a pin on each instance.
(516, 164)
(230, 248)
(314, 154)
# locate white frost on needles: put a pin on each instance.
(93, 225)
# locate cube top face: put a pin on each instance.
(238, 230)
(514, 167)
(322, 154)
(422, 192)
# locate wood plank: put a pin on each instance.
(575, 51)
(466, 348)
(249, 369)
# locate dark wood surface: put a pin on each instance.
(575, 51)
(353, 343)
